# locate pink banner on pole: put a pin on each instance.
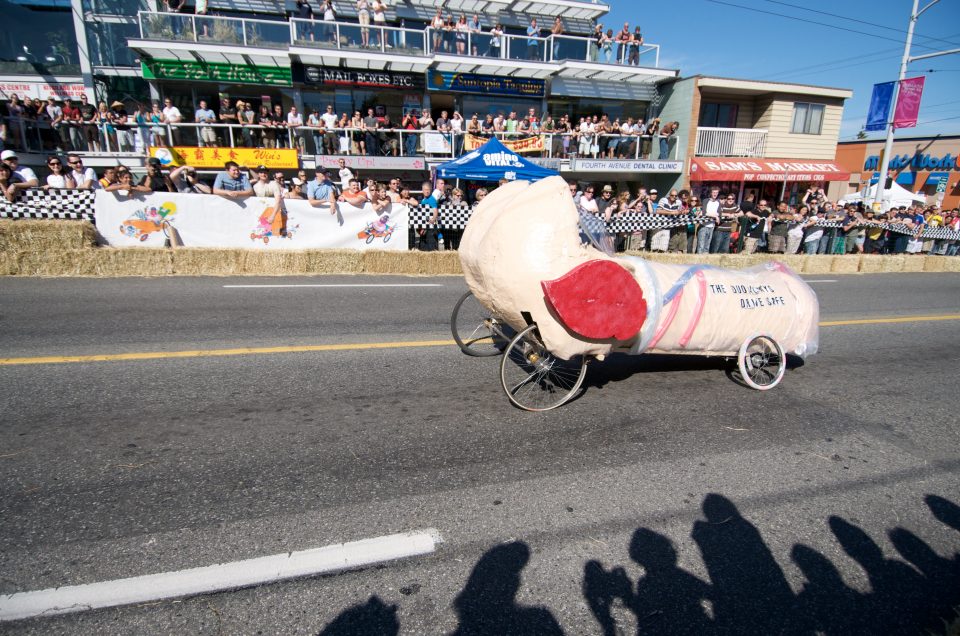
(908, 103)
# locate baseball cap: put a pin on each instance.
(262, 169)
(7, 154)
(653, 191)
(608, 188)
(297, 181)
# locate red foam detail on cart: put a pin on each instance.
(598, 300)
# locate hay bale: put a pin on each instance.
(390, 262)
(817, 264)
(276, 263)
(892, 263)
(445, 263)
(96, 262)
(951, 264)
(849, 264)
(45, 235)
(871, 263)
(793, 261)
(335, 261)
(913, 263)
(935, 263)
(208, 262)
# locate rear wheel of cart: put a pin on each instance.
(761, 362)
(536, 380)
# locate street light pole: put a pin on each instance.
(907, 58)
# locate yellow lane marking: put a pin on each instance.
(246, 351)
(206, 353)
(888, 321)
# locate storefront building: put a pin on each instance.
(926, 165)
(770, 139)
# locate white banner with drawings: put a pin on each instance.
(206, 220)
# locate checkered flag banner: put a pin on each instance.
(635, 222)
(453, 216)
(50, 204)
(941, 233)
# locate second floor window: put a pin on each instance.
(713, 115)
(807, 118)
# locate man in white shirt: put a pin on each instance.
(711, 212)
(295, 124)
(85, 178)
(330, 143)
(345, 174)
(172, 114)
(23, 177)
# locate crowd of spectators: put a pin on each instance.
(449, 34)
(79, 126)
(722, 224)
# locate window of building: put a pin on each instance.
(807, 118)
(716, 115)
(38, 41)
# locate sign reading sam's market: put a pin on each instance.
(307, 74)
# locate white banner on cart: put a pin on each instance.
(206, 220)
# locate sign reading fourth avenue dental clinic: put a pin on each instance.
(309, 74)
(625, 165)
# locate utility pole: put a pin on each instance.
(888, 146)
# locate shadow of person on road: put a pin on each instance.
(944, 510)
(373, 618)
(750, 592)
(825, 605)
(487, 605)
(669, 600)
(897, 592)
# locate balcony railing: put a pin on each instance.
(133, 139)
(393, 40)
(731, 142)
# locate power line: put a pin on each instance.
(792, 17)
(873, 24)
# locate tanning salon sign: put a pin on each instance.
(343, 77)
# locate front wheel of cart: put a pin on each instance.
(761, 362)
(475, 329)
(536, 380)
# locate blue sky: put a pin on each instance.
(795, 41)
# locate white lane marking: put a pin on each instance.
(215, 578)
(822, 281)
(345, 285)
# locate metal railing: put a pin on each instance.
(731, 142)
(214, 29)
(108, 139)
(385, 39)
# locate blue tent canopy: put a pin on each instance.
(491, 162)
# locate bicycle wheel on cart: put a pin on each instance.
(475, 329)
(761, 362)
(536, 380)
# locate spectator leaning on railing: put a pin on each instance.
(232, 183)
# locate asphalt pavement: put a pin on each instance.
(666, 498)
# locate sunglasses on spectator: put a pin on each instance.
(75, 163)
(53, 163)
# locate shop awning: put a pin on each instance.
(753, 169)
(907, 178)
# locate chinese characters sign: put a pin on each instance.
(277, 158)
